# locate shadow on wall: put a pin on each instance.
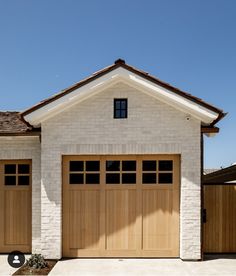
(121, 216)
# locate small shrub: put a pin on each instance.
(36, 261)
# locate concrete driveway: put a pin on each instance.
(223, 266)
(5, 268)
(213, 265)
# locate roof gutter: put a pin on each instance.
(221, 116)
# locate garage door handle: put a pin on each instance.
(204, 216)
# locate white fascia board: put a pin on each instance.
(201, 113)
(177, 101)
(86, 91)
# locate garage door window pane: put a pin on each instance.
(76, 166)
(165, 178)
(128, 165)
(92, 178)
(10, 169)
(10, 180)
(129, 178)
(149, 165)
(165, 165)
(93, 166)
(112, 178)
(149, 178)
(112, 165)
(24, 168)
(23, 180)
(76, 178)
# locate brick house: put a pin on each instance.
(109, 167)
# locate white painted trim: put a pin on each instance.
(120, 74)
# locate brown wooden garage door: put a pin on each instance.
(121, 206)
(15, 206)
(220, 218)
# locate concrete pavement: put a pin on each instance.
(224, 266)
(213, 265)
(5, 268)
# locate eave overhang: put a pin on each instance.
(121, 72)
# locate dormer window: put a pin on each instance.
(120, 108)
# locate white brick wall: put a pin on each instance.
(151, 127)
(27, 148)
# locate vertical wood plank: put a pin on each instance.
(136, 220)
(219, 230)
(15, 212)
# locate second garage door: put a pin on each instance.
(121, 206)
(15, 205)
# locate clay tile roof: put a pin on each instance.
(12, 123)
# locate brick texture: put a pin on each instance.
(89, 128)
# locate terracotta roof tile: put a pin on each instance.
(12, 123)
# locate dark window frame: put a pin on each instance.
(84, 172)
(22, 177)
(120, 110)
(164, 171)
(122, 171)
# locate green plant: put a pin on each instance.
(36, 261)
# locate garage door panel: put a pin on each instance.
(133, 211)
(17, 217)
(120, 219)
(15, 205)
(84, 219)
(75, 219)
(157, 212)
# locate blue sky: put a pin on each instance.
(48, 45)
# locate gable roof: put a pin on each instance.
(11, 123)
(217, 113)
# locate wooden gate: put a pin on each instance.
(121, 206)
(219, 214)
(15, 206)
